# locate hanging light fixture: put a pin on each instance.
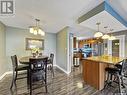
(36, 29)
(105, 36)
(112, 37)
(98, 33)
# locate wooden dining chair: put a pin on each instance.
(50, 63)
(37, 72)
(17, 68)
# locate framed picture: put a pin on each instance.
(34, 43)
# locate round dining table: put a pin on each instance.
(25, 60)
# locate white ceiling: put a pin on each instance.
(106, 20)
(56, 14)
(82, 32)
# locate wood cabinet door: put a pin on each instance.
(91, 73)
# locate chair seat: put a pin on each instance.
(49, 62)
(22, 67)
(112, 70)
(118, 66)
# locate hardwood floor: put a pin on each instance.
(61, 84)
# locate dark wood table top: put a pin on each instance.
(25, 60)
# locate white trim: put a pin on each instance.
(6, 73)
(2, 76)
(10, 72)
(63, 70)
(69, 52)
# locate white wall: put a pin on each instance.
(3, 65)
(15, 43)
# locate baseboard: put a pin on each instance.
(10, 72)
(6, 73)
(63, 70)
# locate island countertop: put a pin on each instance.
(105, 59)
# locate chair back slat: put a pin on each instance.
(38, 64)
(124, 66)
(14, 62)
(51, 58)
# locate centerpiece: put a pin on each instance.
(36, 52)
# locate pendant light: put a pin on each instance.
(105, 36)
(112, 37)
(98, 33)
(36, 29)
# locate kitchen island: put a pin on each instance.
(94, 69)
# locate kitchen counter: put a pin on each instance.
(105, 59)
(94, 69)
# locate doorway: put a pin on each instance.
(115, 48)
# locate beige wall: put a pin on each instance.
(15, 43)
(61, 48)
(3, 65)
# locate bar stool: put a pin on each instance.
(118, 73)
(50, 63)
(16, 69)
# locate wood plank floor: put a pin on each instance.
(61, 84)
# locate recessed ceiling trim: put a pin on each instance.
(91, 13)
(111, 11)
(102, 7)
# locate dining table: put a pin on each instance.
(25, 59)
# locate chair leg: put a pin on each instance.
(107, 81)
(30, 83)
(28, 77)
(119, 83)
(46, 86)
(122, 82)
(16, 75)
(45, 80)
(52, 70)
(13, 80)
(111, 77)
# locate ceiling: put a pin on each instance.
(106, 20)
(56, 14)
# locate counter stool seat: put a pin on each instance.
(17, 68)
(112, 70)
(118, 66)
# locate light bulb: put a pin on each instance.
(31, 30)
(112, 38)
(39, 31)
(35, 32)
(98, 34)
(42, 33)
(105, 36)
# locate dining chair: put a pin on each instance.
(50, 63)
(17, 68)
(37, 72)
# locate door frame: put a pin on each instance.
(121, 39)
